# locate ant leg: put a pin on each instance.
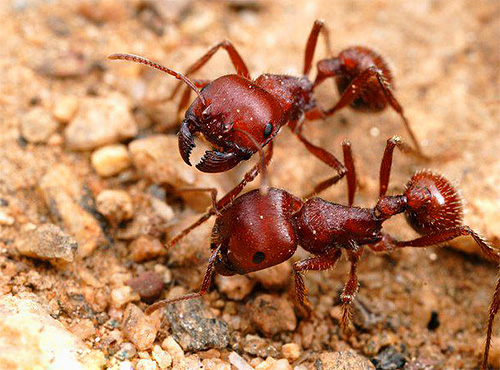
(386, 164)
(319, 26)
(227, 199)
(236, 59)
(450, 234)
(494, 308)
(355, 88)
(310, 264)
(350, 289)
(351, 171)
(351, 176)
(325, 156)
(207, 279)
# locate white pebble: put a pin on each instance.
(110, 160)
(239, 362)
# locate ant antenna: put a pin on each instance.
(150, 63)
(264, 183)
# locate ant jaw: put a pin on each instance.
(186, 142)
(215, 161)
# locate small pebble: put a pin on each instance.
(291, 351)
(65, 109)
(5, 219)
(149, 285)
(123, 295)
(342, 360)
(137, 327)
(146, 365)
(274, 278)
(272, 364)
(126, 351)
(48, 242)
(238, 362)
(37, 126)
(272, 314)
(64, 64)
(162, 358)
(389, 359)
(145, 248)
(173, 348)
(162, 209)
(110, 160)
(101, 121)
(234, 287)
(115, 205)
(196, 329)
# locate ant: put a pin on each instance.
(237, 115)
(259, 230)
(365, 82)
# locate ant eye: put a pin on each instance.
(258, 257)
(267, 130)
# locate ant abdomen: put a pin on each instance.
(433, 203)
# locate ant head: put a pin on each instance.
(433, 203)
(237, 118)
(255, 232)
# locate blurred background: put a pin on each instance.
(61, 101)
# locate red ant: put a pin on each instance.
(238, 116)
(364, 82)
(256, 231)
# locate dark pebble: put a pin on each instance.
(389, 359)
(149, 285)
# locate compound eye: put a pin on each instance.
(268, 130)
(258, 257)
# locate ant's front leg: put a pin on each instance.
(350, 289)
(310, 264)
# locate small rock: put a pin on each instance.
(257, 346)
(146, 365)
(162, 358)
(83, 328)
(5, 219)
(162, 209)
(274, 278)
(238, 362)
(100, 121)
(123, 295)
(149, 285)
(64, 64)
(37, 126)
(234, 287)
(272, 364)
(102, 11)
(174, 349)
(389, 359)
(115, 205)
(194, 327)
(48, 242)
(343, 360)
(146, 248)
(137, 327)
(31, 339)
(272, 314)
(65, 109)
(291, 351)
(189, 363)
(126, 351)
(60, 191)
(110, 160)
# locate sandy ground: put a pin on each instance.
(445, 57)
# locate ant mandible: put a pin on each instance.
(259, 230)
(365, 82)
(238, 116)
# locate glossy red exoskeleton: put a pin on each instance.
(258, 230)
(364, 81)
(238, 115)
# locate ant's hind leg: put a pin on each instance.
(312, 41)
(310, 264)
(494, 308)
(207, 279)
